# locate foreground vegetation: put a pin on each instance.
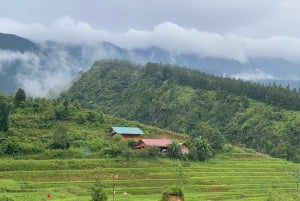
(236, 175)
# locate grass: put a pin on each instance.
(247, 177)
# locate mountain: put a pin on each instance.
(46, 69)
(15, 43)
(265, 118)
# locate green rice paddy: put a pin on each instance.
(247, 177)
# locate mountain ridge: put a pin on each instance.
(46, 69)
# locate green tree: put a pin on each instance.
(211, 133)
(174, 150)
(20, 97)
(4, 114)
(11, 145)
(61, 138)
(62, 111)
(200, 149)
(97, 192)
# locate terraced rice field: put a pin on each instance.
(243, 177)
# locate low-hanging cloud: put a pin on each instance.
(38, 75)
(254, 75)
(48, 79)
(168, 36)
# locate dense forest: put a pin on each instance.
(187, 101)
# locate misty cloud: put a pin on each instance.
(10, 56)
(168, 36)
(44, 84)
(38, 75)
(255, 75)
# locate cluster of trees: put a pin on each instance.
(60, 128)
(194, 103)
(35, 126)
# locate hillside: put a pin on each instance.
(46, 129)
(186, 101)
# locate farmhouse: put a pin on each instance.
(126, 132)
(162, 144)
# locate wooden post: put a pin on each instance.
(113, 187)
(114, 176)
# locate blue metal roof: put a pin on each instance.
(127, 130)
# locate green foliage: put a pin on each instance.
(35, 131)
(211, 134)
(61, 138)
(172, 190)
(200, 149)
(97, 192)
(20, 97)
(11, 145)
(4, 114)
(174, 150)
(62, 110)
(194, 103)
(148, 152)
(131, 143)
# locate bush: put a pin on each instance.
(148, 152)
(61, 138)
(97, 192)
(171, 191)
(131, 143)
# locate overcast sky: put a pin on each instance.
(236, 29)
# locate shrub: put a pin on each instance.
(171, 191)
(97, 192)
(131, 143)
(61, 138)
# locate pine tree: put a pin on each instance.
(20, 97)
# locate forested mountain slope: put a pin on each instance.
(246, 114)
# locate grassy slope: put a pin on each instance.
(242, 176)
(34, 131)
